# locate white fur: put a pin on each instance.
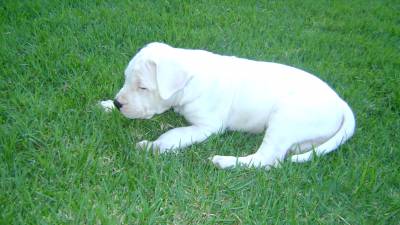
(298, 112)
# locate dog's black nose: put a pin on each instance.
(117, 104)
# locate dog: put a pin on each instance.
(300, 114)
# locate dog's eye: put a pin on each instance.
(142, 88)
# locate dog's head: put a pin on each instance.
(152, 78)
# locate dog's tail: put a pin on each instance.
(341, 136)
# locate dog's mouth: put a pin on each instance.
(130, 115)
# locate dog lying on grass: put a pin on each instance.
(299, 113)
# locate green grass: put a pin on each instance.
(64, 161)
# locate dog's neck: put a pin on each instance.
(176, 101)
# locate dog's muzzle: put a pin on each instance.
(117, 104)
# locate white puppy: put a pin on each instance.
(299, 113)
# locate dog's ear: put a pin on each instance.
(170, 77)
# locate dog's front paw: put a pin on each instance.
(224, 162)
(155, 146)
(144, 145)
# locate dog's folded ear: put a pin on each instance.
(170, 77)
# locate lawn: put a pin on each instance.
(64, 161)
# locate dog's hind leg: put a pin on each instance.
(281, 134)
(286, 129)
(272, 150)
